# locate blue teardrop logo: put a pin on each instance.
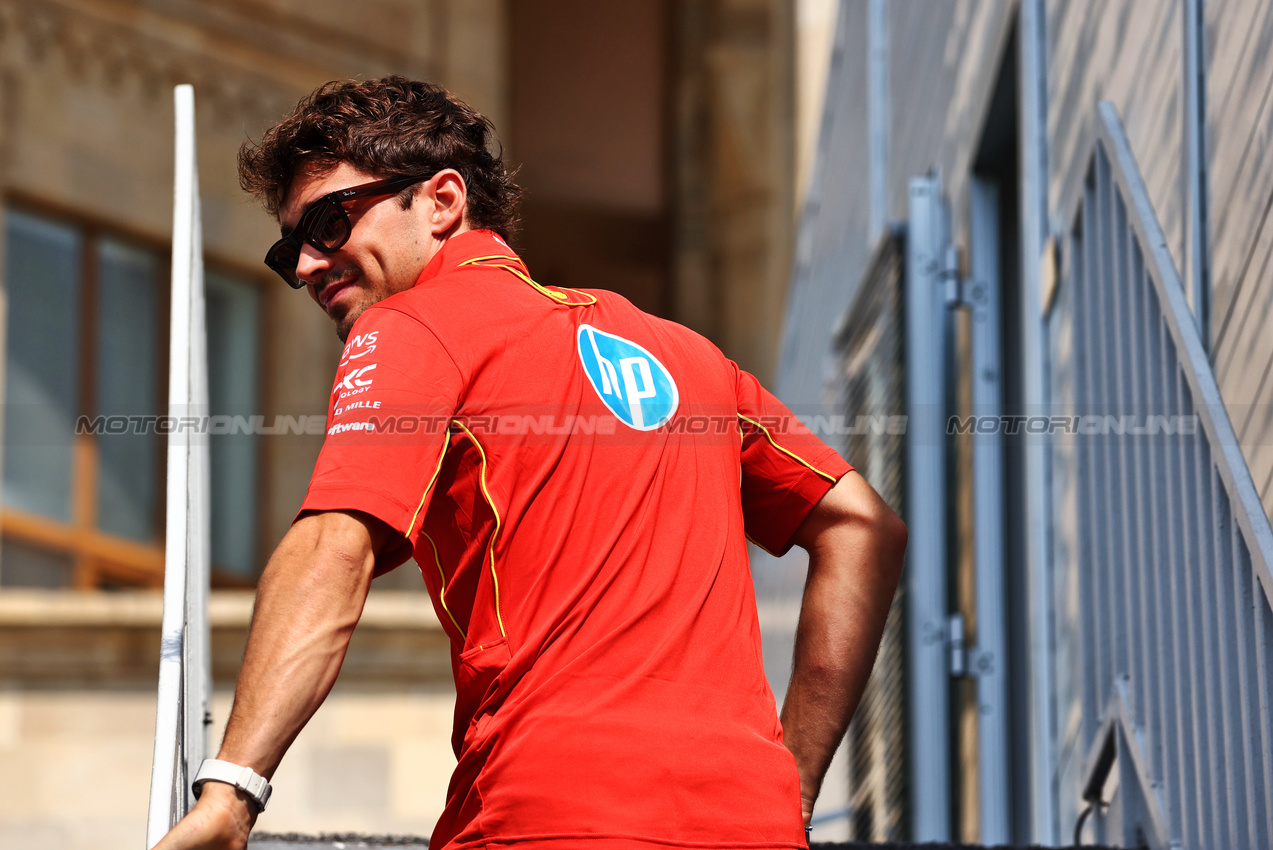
(630, 380)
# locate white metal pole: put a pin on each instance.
(198, 673)
(183, 667)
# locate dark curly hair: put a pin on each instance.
(385, 127)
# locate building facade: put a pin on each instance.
(1038, 232)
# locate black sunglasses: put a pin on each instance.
(326, 225)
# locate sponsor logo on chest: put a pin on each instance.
(357, 378)
(631, 381)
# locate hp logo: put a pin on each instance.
(630, 380)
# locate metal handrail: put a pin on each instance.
(184, 691)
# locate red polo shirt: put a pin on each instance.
(577, 480)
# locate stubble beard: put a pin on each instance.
(345, 322)
(347, 318)
(344, 317)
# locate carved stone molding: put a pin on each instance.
(36, 34)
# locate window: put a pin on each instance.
(234, 318)
(86, 337)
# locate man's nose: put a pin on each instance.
(312, 264)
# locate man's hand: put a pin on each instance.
(855, 545)
(220, 820)
(309, 599)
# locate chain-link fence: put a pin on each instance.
(870, 389)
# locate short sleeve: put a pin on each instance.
(786, 468)
(395, 392)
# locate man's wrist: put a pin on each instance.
(225, 812)
(223, 794)
(252, 785)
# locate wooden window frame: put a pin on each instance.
(100, 559)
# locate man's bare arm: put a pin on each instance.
(309, 599)
(855, 545)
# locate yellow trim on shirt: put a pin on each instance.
(558, 297)
(446, 442)
(490, 546)
(787, 452)
(437, 558)
(756, 542)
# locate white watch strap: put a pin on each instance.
(246, 779)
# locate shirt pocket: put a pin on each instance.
(476, 691)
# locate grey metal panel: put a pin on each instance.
(942, 73)
(1239, 72)
(1110, 651)
(926, 617)
(1033, 155)
(1169, 597)
(833, 241)
(1197, 262)
(1180, 612)
(1230, 462)
(1090, 533)
(1069, 469)
(1148, 639)
(1208, 723)
(1262, 619)
(991, 666)
(1130, 53)
(879, 111)
(1231, 673)
(1255, 730)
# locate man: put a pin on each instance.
(577, 480)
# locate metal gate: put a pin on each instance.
(1172, 551)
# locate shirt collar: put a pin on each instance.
(467, 246)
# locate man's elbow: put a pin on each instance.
(885, 532)
(852, 517)
(893, 536)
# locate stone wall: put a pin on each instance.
(77, 715)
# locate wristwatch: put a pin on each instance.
(245, 779)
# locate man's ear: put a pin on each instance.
(449, 197)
